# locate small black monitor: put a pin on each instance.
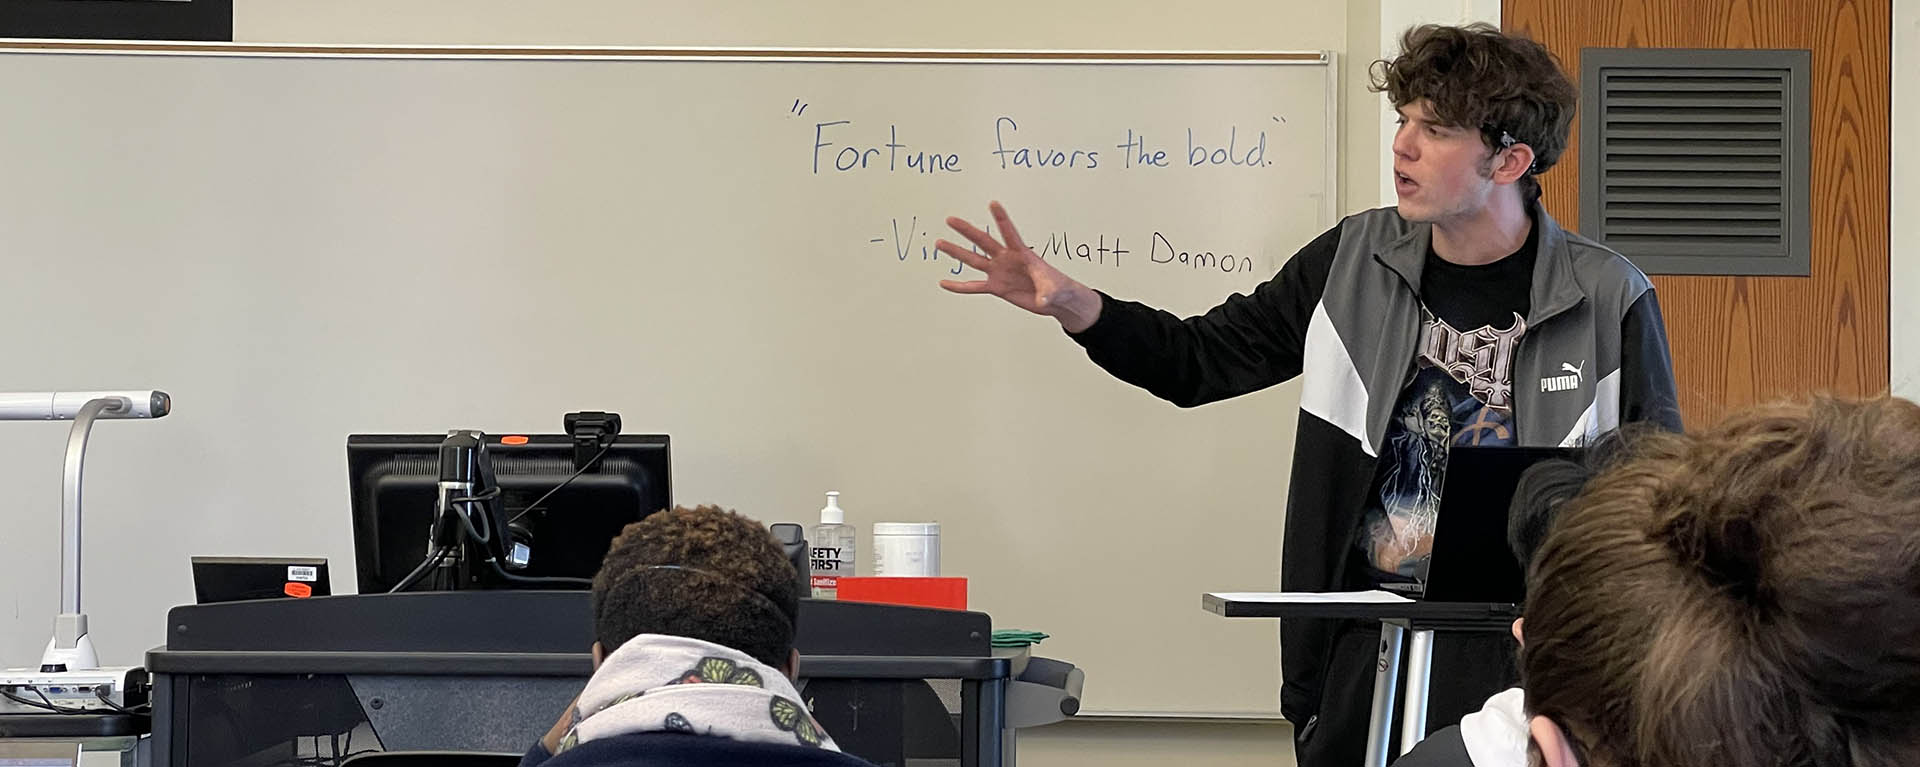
(235, 579)
(394, 481)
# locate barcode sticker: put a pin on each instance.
(303, 573)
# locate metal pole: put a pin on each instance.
(70, 499)
(983, 720)
(1413, 724)
(1386, 678)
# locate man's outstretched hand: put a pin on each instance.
(1018, 275)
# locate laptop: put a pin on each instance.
(39, 754)
(235, 579)
(1471, 561)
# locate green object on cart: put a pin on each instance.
(1016, 638)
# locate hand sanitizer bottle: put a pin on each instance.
(832, 550)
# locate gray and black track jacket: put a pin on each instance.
(1346, 311)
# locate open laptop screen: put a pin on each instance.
(1471, 560)
(44, 754)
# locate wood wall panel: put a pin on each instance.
(1741, 340)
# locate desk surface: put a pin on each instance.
(537, 623)
(73, 725)
(162, 660)
(537, 634)
(1440, 615)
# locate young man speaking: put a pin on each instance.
(1464, 316)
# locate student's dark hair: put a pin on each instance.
(1543, 487)
(1748, 595)
(1480, 78)
(1548, 484)
(704, 573)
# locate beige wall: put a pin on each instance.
(1351, 28)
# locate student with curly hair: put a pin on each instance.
(1465, 315)
(693, 613)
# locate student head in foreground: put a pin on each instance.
(1497, 734)
(694, 613)
(1748, 595)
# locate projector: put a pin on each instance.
(94, 691)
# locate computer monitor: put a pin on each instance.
(394, 481)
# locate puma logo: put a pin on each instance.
(1567, 382)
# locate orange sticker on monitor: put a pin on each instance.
(299, 590)
(513, 440)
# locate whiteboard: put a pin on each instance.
(730, 247)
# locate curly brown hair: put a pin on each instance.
(1480, 78)
(1746, 595)
(705, 573)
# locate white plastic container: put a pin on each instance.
(906, 549)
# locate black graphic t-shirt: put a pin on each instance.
(1461, 393)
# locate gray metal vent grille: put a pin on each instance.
(1696, 161)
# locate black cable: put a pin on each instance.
(489, 495)
(556, 488)
(441, 553)
(29, 703)
(426, 566)
(44, 702)
(101, 693)
(50, 702)
(555, 581)
(467, 522)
